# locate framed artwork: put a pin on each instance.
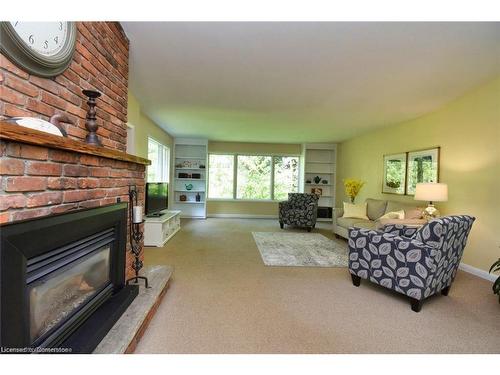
(423, 166)
(394, 174)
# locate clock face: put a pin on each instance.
(44, 38)
(41, 48)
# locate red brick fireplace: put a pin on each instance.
(42, 174)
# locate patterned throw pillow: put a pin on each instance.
(355, 211)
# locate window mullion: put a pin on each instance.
(272, 178)
(235, 175)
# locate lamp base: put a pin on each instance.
(431, 212)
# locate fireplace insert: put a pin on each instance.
(62, 278)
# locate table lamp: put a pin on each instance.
(431, 192)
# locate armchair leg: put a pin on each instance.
(309, 229)
(416, 304)
(281, 225)
(356, 280)
(445, 291)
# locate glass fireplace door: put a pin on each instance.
(57, 295)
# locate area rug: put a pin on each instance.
(300, 250)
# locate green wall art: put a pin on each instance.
(423, 166)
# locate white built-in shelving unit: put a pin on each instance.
(320, 160)
(190, 177)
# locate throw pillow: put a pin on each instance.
(415, 213)
(394, 215)
(355, 211)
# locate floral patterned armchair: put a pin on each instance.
(417, 263)
(300, 210)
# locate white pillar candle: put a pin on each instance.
(137, 214)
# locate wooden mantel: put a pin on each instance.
(17, 133)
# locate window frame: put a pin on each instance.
(235, 175)
(164, 161)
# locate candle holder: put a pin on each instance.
(136, 237)
(90, 121)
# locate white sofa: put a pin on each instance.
(375, 209)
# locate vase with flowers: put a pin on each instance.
(352, 187)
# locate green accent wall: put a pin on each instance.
(468, 131)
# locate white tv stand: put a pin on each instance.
(158, 230)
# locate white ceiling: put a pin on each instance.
(303, 82)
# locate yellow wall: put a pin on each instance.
(468, 131)
(255, 208)
(144, 128)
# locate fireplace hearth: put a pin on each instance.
(62, 279)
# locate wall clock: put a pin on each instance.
(44, 49)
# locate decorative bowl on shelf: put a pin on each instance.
(324, 182)
(317, 179)
(189, 186)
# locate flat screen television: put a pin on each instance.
(156, 198)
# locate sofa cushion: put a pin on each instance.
(375, 208)
(415, 213)
(398, 206)
(400, 215)
(357, 211)
(408, 222)
(346, 223)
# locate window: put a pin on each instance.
(159, 155)
(252, 177)
(221, 176)
(286, 176)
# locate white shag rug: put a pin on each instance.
(300, 250)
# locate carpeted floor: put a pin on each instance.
(223, 299)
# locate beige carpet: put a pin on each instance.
(224, 300)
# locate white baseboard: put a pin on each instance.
(477, 272)
(243, 216)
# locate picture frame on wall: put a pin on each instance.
(394, 180)
(423, 166)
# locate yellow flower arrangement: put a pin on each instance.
(352, 187)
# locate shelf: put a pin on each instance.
(319, 172)
(190, 157)
(191, 191)
(189, 179)
(17, 133)
(311, 184)
(191, 169)
(320, 162)
(189, 202)
(324, 219)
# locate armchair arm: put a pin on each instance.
(284, 206)
(313, 209)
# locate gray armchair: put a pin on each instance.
(300, 209)
(418, 266)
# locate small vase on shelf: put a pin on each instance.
(198, 197)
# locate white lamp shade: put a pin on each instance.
(431, 192)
